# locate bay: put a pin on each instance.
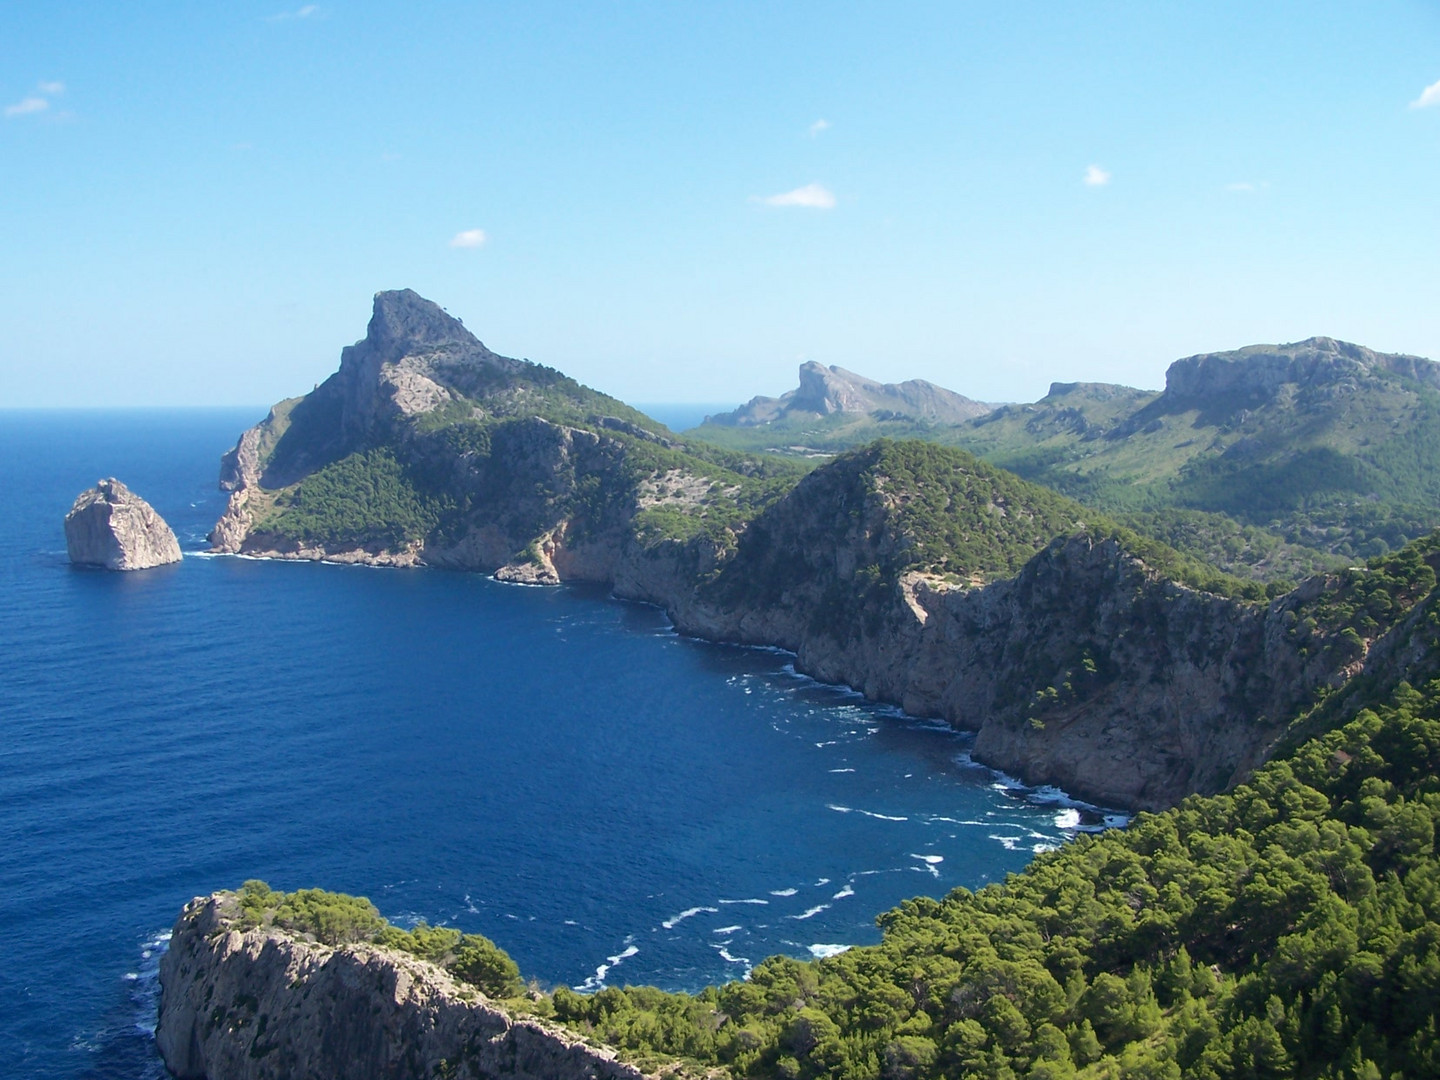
(556, 769)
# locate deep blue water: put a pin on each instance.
(558, 770)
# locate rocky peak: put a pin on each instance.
(404, 322)
(827, 391)
(1257, 372)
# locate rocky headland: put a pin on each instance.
(1081, 653)
(111, 526)
(260, 1003)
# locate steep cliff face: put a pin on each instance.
(111, 526)
(266, 1005)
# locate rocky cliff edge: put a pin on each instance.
(260, 1004)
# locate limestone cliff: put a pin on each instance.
(262, 1004)
(111, 526)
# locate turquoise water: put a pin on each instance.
(610, 802)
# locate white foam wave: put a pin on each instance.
(1009, 843)
(1040, 849)
(823, 881)
(783, 892)
(751, 900)
(597, 981)
(688, 913)
(725, 929)
(848, 890)
(820, 952)
(810, 914)
(725, 955)
(932, 862)
(868, 813)
(841, 770)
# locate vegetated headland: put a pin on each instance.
(1277, 915)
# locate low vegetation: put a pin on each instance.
(338, 919)
(367, 499)
(1290, 928)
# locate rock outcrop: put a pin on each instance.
(261, 1004)
(111, 526)
(1257, 373)
(827, 391)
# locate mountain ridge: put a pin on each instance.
(831, 391)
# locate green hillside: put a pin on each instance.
(1321, 451)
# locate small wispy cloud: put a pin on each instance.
(469, 238)
(1241, 185)
(811, 196)
(817, 127)
(53, 89)
(1429, 96)
(1095, 176)
(27, 106)
(299, 13)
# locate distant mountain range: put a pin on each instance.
(1331, 449)
(833, 391)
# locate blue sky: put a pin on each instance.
(682, 202)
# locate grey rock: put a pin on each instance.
(111, 526)
(261, 1004)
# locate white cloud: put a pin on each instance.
(300, 13)
(52, 88)
(811, 196)
(1096, 176)
(469, 238)
(1429, 96)
(1243, 185)
(26, 106)
(818, 126)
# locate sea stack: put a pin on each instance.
(111, 526)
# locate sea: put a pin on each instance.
(609, 801)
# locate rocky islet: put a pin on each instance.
(112, 527)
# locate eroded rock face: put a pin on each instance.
(111, 526)
(263, 1005)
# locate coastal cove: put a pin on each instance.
(459, 750)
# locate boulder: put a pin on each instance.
(111, 526)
